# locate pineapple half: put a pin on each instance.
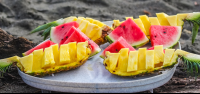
(94, 29)
(141, 62)
(67, 57)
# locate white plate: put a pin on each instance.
(92, 77)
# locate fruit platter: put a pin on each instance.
(86, 55)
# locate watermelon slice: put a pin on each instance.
(75, 35)
(131, 32)
(42, 45)
(168, 36)
(117, 46)
(58, 32)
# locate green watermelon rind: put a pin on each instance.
(111, 40)
(51, 35)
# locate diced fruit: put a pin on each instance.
(81, 50)
(70, 19)
(98, 23)
(117, 46)
(154, 21)
(146, 23)
(56, 53)
(89, 19)
(97, 35)
(112, 59)
(159, 56)
(168, 36)
(78, 36)
(167, 57)
(72, 51)
(79, 21)
(162, 19)
(83, 26)
(131, 32)
(140, 24)
(57, 33)
(42, 45)
(48, 58)
(91, 28)
(142, 59)
(64, 54)
(150, 59)
(27, 63)
(132, 61)
(180, 19)
(123, 60)
(172, 20)
(37, 59)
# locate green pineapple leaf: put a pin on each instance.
(194, 31)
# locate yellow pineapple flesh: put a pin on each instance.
(150, 59)
(56, 53)
(168, 55)
(172, 20)
(162, 19)
(64, 56)
(146, 23)
(37, 59)
(138, 21)
(159, 56)
(72, 51)
(154, 21)
(48, 58)
(83, 26)
(142, 59)
(123, 60)
(27, 63)
(132, 61)
(81, 50)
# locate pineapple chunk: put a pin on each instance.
(112, 59)
(146, 23)
(132, 61)
(158, 56)
(97, 35)
(180, 18)
(56, 53)
(98, 23)
(64, 54)
(116, 22)
(140, 24)
(150, 60)
(123, 60)
(48, 58)
(37, 59)
(82, 18)
(129, 17)
(154, 21)
(70, 19)
(27, 63)
(81, 50)
(72, 51)
(168, 55)
(83, 25)
(162, 19)
(176, 54)
(91, 30)
(79, 20)
(89, 19)
(172, 20)
(142, 58)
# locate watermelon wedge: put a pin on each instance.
(168, 36)
(117, 46)
(42, 45)
(57, 33)
(75, 35)
(131, 32)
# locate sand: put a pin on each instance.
(19, 17)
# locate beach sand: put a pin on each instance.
(19, 17)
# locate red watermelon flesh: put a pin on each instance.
(77, 36)
(152, 48)
(117, 46)
(168, 36)
(131, 32)
(42, 45)
(57, 33)
(68, 34)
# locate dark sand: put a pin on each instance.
(19, 17)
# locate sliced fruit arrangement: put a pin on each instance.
(143, 61)
(94, 29)
(131, 32)
(64, 34)
(163, 19)
(55, 59)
